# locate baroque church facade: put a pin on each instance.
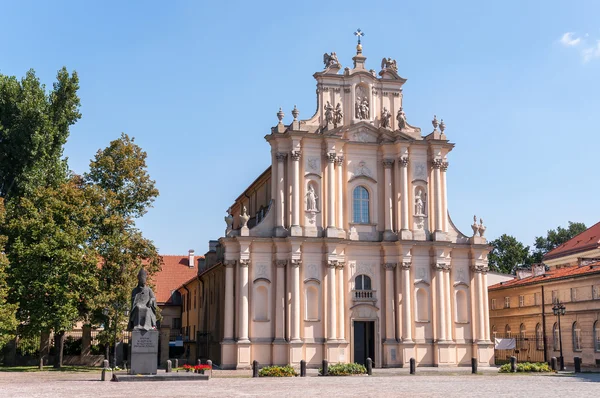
(343, 248)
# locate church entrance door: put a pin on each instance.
(364, 341)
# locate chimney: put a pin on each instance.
(191, 258)
(212, 245)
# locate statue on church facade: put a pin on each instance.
(388, 63)
(330, 60)
(420, 202)
(337, 115)
(362, 108)
(143, 305)
(401, 118)
(328, 113)
(311, 199)
(385, 118)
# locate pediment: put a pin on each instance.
(366, 132)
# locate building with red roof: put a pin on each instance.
(522, 308)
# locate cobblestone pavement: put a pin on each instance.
(383, 383)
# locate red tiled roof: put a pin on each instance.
(550, 276)
(175, 271)
(587, 240)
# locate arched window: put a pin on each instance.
(362, 282)
(507, 331)
(360, 205)
(539, 337)
(461, 306)
(597, 336)
(422, 305)
(522, 336)
(261, 303)
(311, 303)
(555, 337)
(576, 337)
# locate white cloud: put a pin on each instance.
(592, 52)
(569, 39)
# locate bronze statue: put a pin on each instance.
(143, 305)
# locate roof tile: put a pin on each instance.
(552, 275)
(175, 271)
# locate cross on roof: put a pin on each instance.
(359, 34)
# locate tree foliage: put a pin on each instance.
(555, 238)
(119, 172)
(8, 321)
(507, 254)
(34, 126)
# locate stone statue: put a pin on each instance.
(328, 113)
(330, 60)
(385, 118)
(311, 199)
(475, 227)
(244, 217)
(143, 305)
(401, 118)
(337, 115)
(388, 63)
(419, 203)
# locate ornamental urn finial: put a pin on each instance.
(280, 115)
(295, 113)
(435, 123)
(481, 227)
(475, 227)
(442, 126)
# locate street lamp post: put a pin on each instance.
(559, 309)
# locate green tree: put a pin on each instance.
(555, 238)
(8, 321)
(507, 254)
(53, 268)
(120, 173)
(34, 126)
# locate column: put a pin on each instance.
(295, 230)
(280, 205)
(404, 197)
(390, 334)
(331, 231)
(444, 168)
(407, 304)
(341, 335)
(486, 308)
(331, 301)
(437, 164)
(480, 306)
(448, 299)
(280, 300)
(229, 311)
(295, 321)
(388, 208)
(243, 289)
(441, 307)
(340, 192)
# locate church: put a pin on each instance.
(343, 249)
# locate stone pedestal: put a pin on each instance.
(144, 351)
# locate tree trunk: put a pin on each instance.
(59, 339)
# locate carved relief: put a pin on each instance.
(362, 170)
(421, 273)
(420, 171)
(362, 268)
(312, 271)
(261, 271)
(313, 164)
(362, 103)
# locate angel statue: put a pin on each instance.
(328, 113)
(385, 118)
(401, 118)
(337, 115)
(330, 60)
(388, 63)
(311, 199)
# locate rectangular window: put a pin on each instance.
(521, 301)
(595, 292)
(493, 304)
(176, 323)
(506, 302)
(573, 294)
(554, 296)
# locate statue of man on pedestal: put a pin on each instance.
(143, 305)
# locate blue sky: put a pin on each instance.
(198, 84)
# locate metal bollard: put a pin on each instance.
(325, 371)
(104, 370)
(474, 366)
(41, 363)
(413, 366)
(303, 368)
(554, 363)
(513, 364)
(255, 368)
(169, 366)
(176, 363)
(577, 361)
(199, 362)
(209, 363)
(369, 366)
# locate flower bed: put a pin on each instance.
(345, 369)
(196, 368)
(526, 367)
(277, 371)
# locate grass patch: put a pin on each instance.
(78, 369)
(527, 367)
